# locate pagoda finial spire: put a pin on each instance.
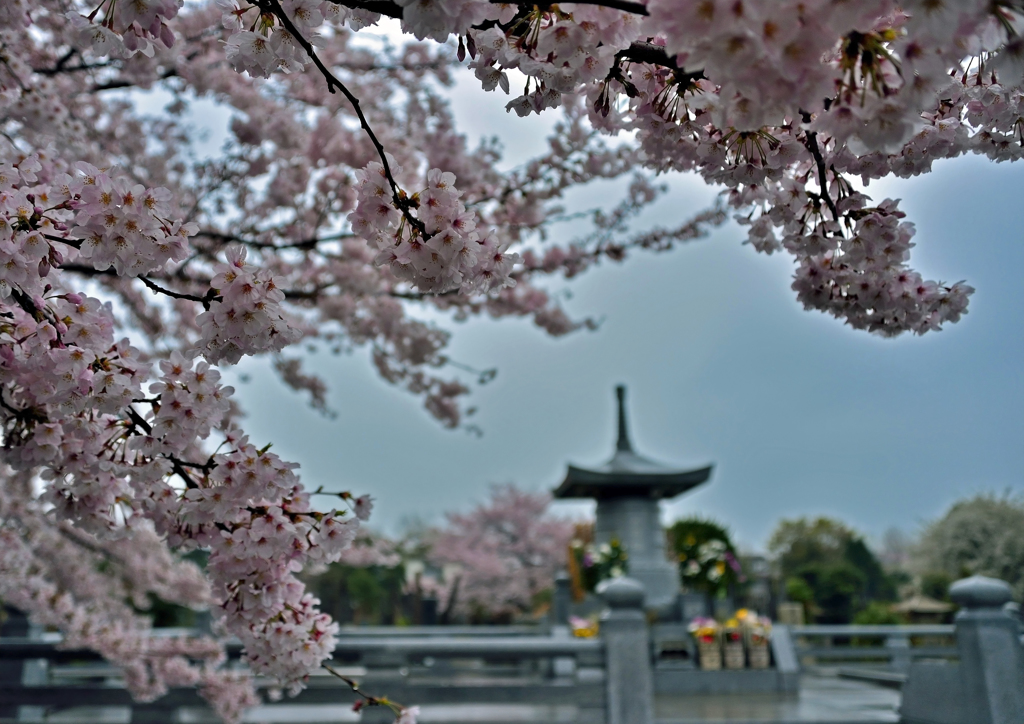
(622, 443)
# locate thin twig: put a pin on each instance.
(333, 83)
(370, 700)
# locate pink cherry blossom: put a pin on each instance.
(133, 266)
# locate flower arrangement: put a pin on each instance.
(756, 629)
(584, 628)
(589, 564)
(705, 630)
(708, 634)
(756, 634)
(707, 558)
(732, 633)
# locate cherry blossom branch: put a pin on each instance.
(367, 699)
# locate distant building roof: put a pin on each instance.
(922, 604)
(628, 474)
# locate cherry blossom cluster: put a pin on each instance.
(88, 216)
(247, 318)
(191, 402)
(110, 463)
(122, 225)
(125, 28)
(861, 276)
(558, 53)
(260, 529)
(259, 46)
(83, 585)
(68, 396)
(438, 250)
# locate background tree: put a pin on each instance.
(976, 536)
(828, 567)
(365, 585)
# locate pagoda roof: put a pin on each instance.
(628, 474)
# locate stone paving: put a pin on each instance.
(821, 700)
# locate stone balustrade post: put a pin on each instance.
(987, 685)
(898, 646)
(562, 667)
(630, 679)
(990, 651)
(560, 599)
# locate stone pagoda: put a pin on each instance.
(628, 489)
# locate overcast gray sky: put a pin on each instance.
(799, 414)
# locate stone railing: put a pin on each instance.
(596, 681)
(891, 646)
(612, 679)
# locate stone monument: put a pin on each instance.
(628, 489)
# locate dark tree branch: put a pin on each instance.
(623, 5)
(57, 69)
(384, 7)
(211, 296)
(394, 10)
(117, 84)
(656, 55)
(309, 243)
(812, 146)
(88, 270)
(59, 65)
(138, 421)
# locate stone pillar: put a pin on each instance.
(987, 685)
(630, 680)
(636, 522)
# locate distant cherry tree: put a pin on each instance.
(134, 267)
(504, 553)
(976, 536)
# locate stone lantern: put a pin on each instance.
(628, 489)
